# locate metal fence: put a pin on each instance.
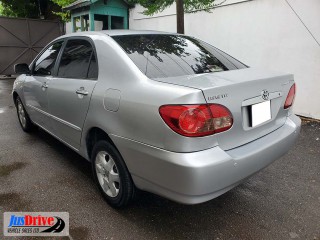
(22, 39)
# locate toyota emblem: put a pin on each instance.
(265, 95)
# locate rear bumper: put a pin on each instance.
(197, 177)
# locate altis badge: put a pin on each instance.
(217, 97)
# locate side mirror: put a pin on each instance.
(21, 68)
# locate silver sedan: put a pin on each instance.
(160, 112)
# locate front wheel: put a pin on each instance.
(111, 175)
(23, 117)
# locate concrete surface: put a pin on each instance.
(38, 173)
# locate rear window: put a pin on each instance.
(160, 56)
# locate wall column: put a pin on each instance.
(74, 24)
(91, 20)
(125, 22)
(109, 22)
(82, 23)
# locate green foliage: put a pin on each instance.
(155, 6)
(63, 3)
(64, 15)
(20, 8)
(30, 9)
(1, 9)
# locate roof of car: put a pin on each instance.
(132, 32)
(115, 33)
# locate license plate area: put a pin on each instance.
(260, 113)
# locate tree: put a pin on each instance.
(182, 6)
(1, 9)
(44, 9)
(20, 8)
(64, 15)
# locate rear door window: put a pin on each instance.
(160, 55)
(78, 60)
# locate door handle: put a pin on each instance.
(82, 91)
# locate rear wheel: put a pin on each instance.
(111, 175)
(23, 117)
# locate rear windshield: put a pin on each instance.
(159, 56)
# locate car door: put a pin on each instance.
(70, 91)
(36, 84)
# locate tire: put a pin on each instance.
(23, 117)
(111, 175)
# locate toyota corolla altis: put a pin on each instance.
(160, 112)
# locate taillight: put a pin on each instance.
(197, 120)
(290, 97)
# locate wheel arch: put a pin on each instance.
(15, 95)
(94, 135)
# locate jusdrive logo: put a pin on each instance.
(36, 224)
(38, 221)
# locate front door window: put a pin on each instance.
(45, 63)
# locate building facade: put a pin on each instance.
(95, 15)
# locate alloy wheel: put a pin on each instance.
(107, 173)
(22, 114)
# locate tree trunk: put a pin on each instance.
(180, 16)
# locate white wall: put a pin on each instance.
(264, 33)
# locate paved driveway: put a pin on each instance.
(38, 173)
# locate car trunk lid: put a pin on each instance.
(239, 90)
